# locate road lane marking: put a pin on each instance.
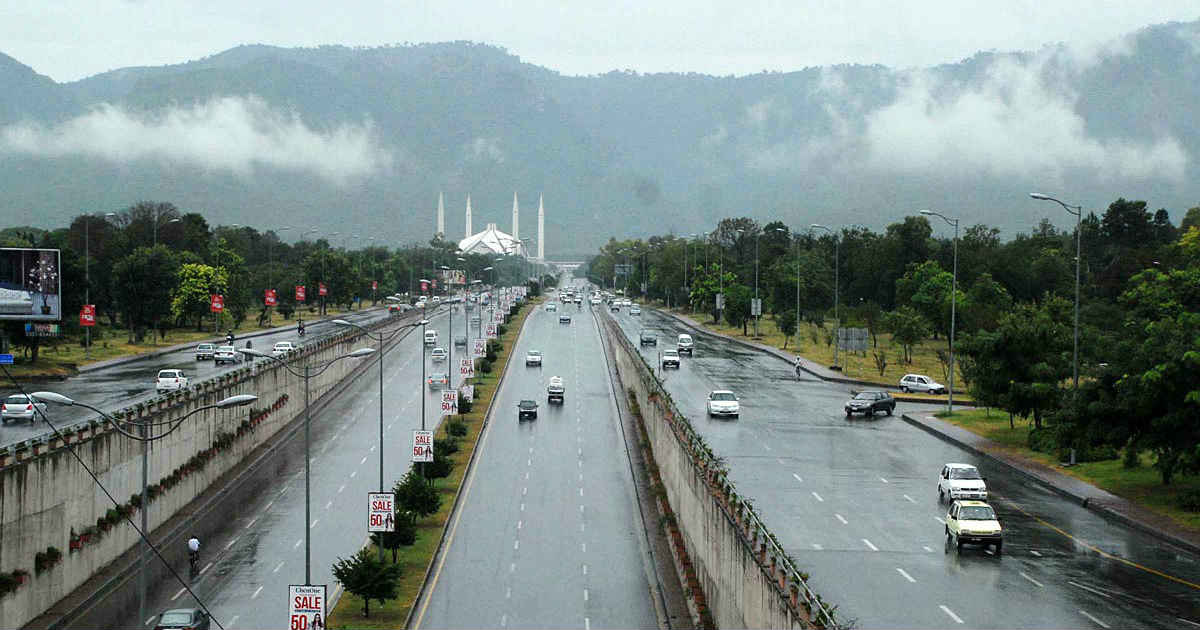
(529, 462)
(256, 592)
(1035, 582)
(503, 621)
(581, 509)
(818, 497)
(1090, 589)
(522, 507)
(587, 624)
(508, 593)
(314, 523)
(151, 619)
(910, 499)
(842, 519)
(233, 620)
(372, 448)
(816, 546)
(299, 541)
(251, 523)
(768, 447)
(868, 543)
(269, 504)
(178, 593)
(584, 547)
(780, 460)
(906, 575)
(512, 566)
(363, 461)
(940, 520)
(585, 569)
(949, 612)
(1188, 621)
(927, 548)
(798, 477)
(328, 505)
(230, 544)
(1095, 620)
(516, 545)
(519, 524)
(1035, 552)
(353, 474)
(525, 491)
(277, 567)
(585, 594)
(883, 480)
(527, 474)
(340, 488)
(581, 492)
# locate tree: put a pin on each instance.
(908, 328)
(737, 305)
(144, 281)
(417, 495)
(786, 321)
(195, 283)
(405, 534)
(928, 288)
(365, 576)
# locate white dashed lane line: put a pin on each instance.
(868, 544)
(798, 477)
(1094, 620)
(230, 544)
(256, 592)
(206, 568)
(298, 543)
(940, 520)
(1035, 582)
(951, 614)
(910, 499)
(177, 594)
(1035, 552)
(905, 574)
(252, 522)
(818, 497)
(842, 519)
(277, 568)
(883, 480)
(1090, 589)
(816, 546)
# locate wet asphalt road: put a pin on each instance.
(121, 385)
(248, 565)
(549, 534)
(855, 503)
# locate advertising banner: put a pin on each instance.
(374, 285)
(449, 402)
(270, 298)
(87, 315)
(467, 392)
(41, 329)
(306, 607)
(480, 348)
(454, 276)
(424, 287)
(466, 368)
(321, 290)
(30, 284)
(381, 512)
(422, 446)
(490, 330)
(300, 293)
(216, 303)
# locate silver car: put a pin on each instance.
(20, 407)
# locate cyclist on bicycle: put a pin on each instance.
(194, 551)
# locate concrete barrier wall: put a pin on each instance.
(45, 493)
(747, 578)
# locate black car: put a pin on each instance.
(183, 619)
(460, 341)
(648, 338)
(869, 402)
(527, 409)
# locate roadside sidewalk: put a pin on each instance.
(1108, 505)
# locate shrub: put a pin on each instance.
(1189, 500)
(457, 428)
(1129, 459)
(464, 406)
(485, 366)
(447, 446)
(501, 329)
(1043, 440)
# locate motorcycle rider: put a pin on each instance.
(229, 337)
(193, 544)
(300, 327)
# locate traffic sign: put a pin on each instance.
(466, 368)
(6, 359)
(449, 402)
(216, 303)
(87, 315)
(422, 446)
(381, 512)
(300, 293)
(306, 607)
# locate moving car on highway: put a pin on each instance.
(635, 310)
(438, 380)
(961, 481)
(670, 358)
(565, 318)
(869, 402)
(551, 307)
(183, 619)
(533, 358)
(431, 337)
(555, 390)
(527, 409)
(684, 344)
(205, 351)
(20, 407)
(921, 384)
(723, 403)
(170, 380)
(226, 354)
(973, 523)
(283, 347)
(647, 338)
(437, 355)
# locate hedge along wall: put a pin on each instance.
(48, 500)
(747, 578)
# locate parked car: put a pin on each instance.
(555, 390)
(724, 403)
(647, 338)
(684, 344)
(973, 523)
(170, 380)
(670, 358)
(20, 407)
(868, 402)
(205, 351)
(183, 619)
(961, 481)
(226, 354)
(283, 347)
(527, 409)
(564, 318)
(533, 357)
(921, 383)
(437, 380)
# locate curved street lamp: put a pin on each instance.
(1078, 212)
(953, 302)
(310, 370)
(836, 285)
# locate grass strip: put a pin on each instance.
(417, 558)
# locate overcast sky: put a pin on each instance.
(71, 39)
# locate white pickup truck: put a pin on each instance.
(170, 380)
(555, 391)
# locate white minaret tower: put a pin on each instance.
(516, 224)
(541, 230)
(441, 228)
(468, 216)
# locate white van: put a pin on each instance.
(684, 344)
(431, 337)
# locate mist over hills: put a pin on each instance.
(363, 139)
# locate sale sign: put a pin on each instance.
(306, 606)
(321, 290)
(87, 315)
(449, 402)
(480, 348)
(422, 446)
(381, 512)
(466, 368)
(491, 330)
(300, 293)
(216, 303)
(270, 298)
(467, 392)
(424, 286)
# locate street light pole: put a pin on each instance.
(1078, 212)
(837, 319)
(953, 302)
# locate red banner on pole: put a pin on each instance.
(269, 297)
(321, 288)
(87, 315)
(374, 285)
(299, 293)
(216, 303)
(424, 287)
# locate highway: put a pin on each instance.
(855, 503)
(121, 385)
(548, 535)
(258, 550)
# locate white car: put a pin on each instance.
(205, 351)
(170, 380)
(635, 310)
(670, 358)
(226, 354)
(283, 347)
(551, 307)
(595, 301)
(921, 383)
(723, 403)
(533, 357)
(961, 481)
(438, 355)
(684, 344)
(20, 407)
(431, 337)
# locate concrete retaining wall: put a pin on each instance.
(45, 494)
(748, 580)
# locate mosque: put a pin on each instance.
(494, 242)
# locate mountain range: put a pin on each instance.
(362, 140)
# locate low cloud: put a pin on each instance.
(231, 134)
(485, 149)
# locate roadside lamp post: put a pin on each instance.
(216, 263)
(785, 232)
(953, 301)
(450, 336)
(479, 327)
(837, 319)
(1078, 212)
(156, 217)
(271, 271)
(380, 338)
(145, 438)
(309, 370)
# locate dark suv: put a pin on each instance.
(527, 409)
(868, 402)
(648, 338)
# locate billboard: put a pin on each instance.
(30, 287)
(454, 276)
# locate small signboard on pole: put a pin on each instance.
(306, 607)
(381, 512)
(491, 331)
(270, 298)
(216, 303)
(422, 446)
(300, 291)
(480, 349)
(467, 392)
(720, 301)
(466, 368)
(449, 402)
(756, 307)
(87, 315)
